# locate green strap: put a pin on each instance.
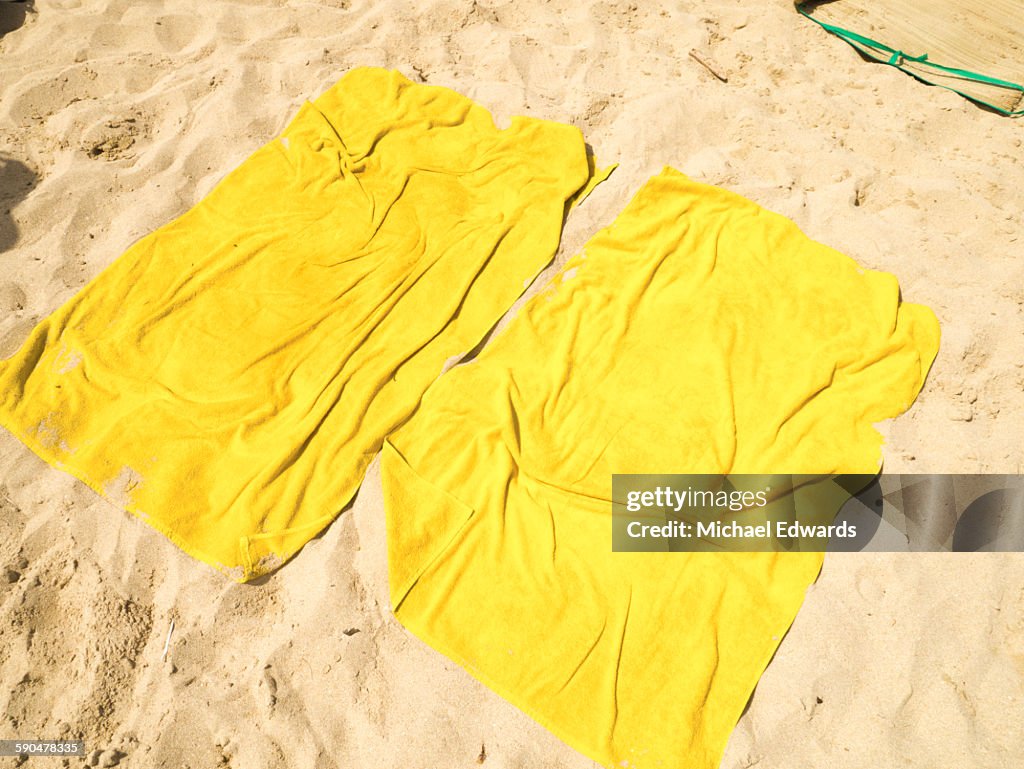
(897, 58)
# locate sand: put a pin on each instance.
(116, 116)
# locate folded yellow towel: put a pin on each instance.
(699, 333)
(229, 378)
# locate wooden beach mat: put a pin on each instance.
(972, 47)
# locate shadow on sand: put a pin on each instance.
(13, 14)
(16, 181)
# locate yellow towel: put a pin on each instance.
(699, 333)
(229, 378)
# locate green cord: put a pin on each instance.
(897, 58)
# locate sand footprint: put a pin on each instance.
(269, 686)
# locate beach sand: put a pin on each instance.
(116, 116)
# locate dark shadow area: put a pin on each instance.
(994, 522)
(17, 180)
(813, 5)
(13, 14)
